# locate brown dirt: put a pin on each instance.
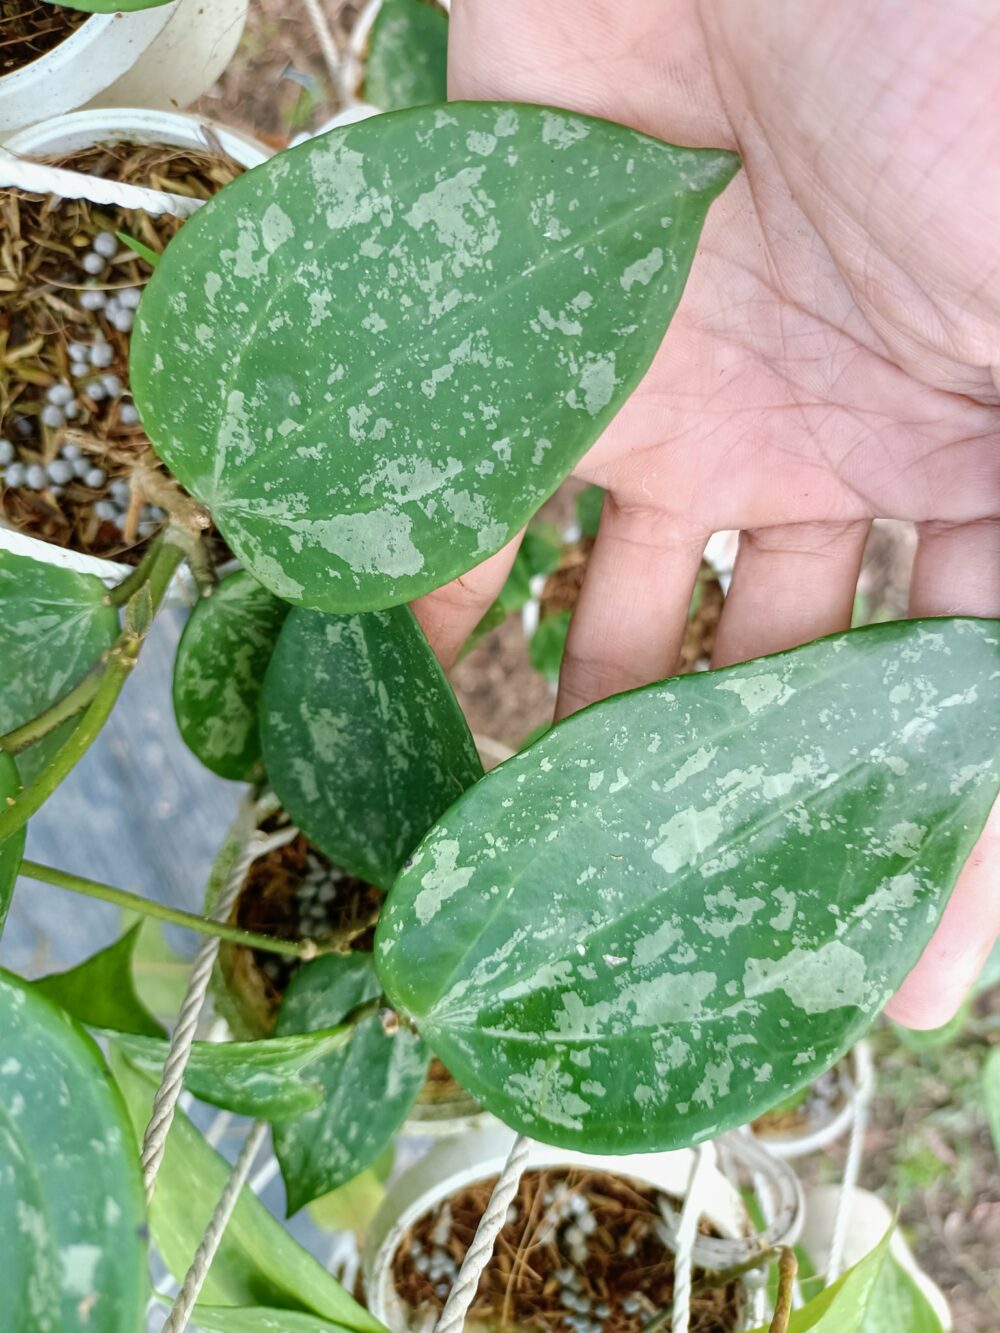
(31, 28)
(621, 1271)
(44, 239)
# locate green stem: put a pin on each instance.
(788, 1267)
(117, 668)
(91, 888)
(71, 703)
(121, 592)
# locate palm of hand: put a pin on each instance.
(830, 359)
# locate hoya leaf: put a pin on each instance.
(71, 1200)
(258, 1262)
(55, 626)
(160, 973)
(685, 902)
(219, 672)
(12, 849)
(841, 1308)
(397, 338)
(370, 1083)
(990, 1079)
(100, 992)
(110, 6)
(364, 742)
(897, 1304)
(258, 1319)
(269, 1079)
(407, 55)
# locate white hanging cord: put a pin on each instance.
(480, 1252)
(154, 1141)
(327, 42)
(194, 1279)
(40, 178)
(687, 1229)
(852, 1167)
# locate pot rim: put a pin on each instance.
(858, 1089)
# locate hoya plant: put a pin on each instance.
(367, 363)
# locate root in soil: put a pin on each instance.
(30, 29)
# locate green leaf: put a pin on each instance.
(219, 672)
(152, 257)
(12, 850)
(370, 1084)
(263, 1079)
(353, 1206)
(110, 6)
(588, 510)
(548, 643)
(685, 902)
(257, 1319)
(364, 741)
(990, 1080)
(397, 338)
(160, 973)
(407, 61)
(257, 1263)
(54, 628)
(71, 1200)
(841, 1308)
(100, 992)
(897, 1305)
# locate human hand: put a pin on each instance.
(835, 357)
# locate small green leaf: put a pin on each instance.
(54, 628)
(219, 672)
(257, 1261)
(364, 742)
(841, 1308)
(588, 510)
(160, 973)
(897, 1305)
(685, 902)
(370, 1084)
(407, 56)
(270, 1079)
(12, 850)
(258, 1319)
(398, 337)
(548, 644)
(71, 1200)
(991, 1094)
(139, 612)
(152, 257)
(100, 992)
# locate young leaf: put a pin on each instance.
(548, 644)
(257, 1319)
(12, 849)
(397, 338)
(219, 671)
(684, 903)
(54, 628)
(990, 1079)
(71, 1200)
(257, 1261)
(100, 992)
(370, 1084)
(152, 257)
(364, 742)
(841, 1308)
(160, 974)
(588, 510)
(897, 1305)
(270, 1079)
(407, 55)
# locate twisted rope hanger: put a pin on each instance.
(23, 173)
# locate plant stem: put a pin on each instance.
(117, 667)
(72, 702)
(91, 888)
(121, 592)
(788, 1267)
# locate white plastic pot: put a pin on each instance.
(856, 1088)
(186, 57)
(867, 1222)
(92, 57)
(72, 133)
(453, 1164)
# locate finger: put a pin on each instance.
(791, 584)
(956, 570)
(955, 956)
(628, 625)
(450, 614)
